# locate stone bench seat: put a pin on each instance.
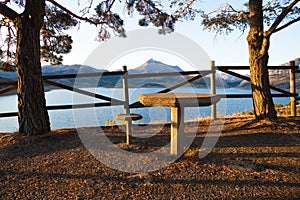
(132, 116)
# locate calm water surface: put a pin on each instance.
(98, 116)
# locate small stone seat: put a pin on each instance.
(132, 116)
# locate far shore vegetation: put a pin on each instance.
(282, 110)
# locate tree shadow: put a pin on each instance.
(235, 135)
(30, 146)
(127, 178)
(279, 126)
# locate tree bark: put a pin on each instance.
(258, 45)
(33, 116)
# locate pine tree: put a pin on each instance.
(38, 32)
(263, 19)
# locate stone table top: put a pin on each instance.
(178, 99)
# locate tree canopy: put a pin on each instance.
(277, 15)
(35, 30)
(58, 19)
(262, 19)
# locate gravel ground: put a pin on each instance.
(252, 160)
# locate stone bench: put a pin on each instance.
(177, 102)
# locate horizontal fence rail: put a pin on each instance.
(190, 77)
(294, 97)
(248, 79)
(247, 67)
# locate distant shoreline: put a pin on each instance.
(50, 88)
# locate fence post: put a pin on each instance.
(213, 88)
(293, 89)
(128, 122)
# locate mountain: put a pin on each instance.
(62, 69)
(228, 80)
(4, 80)
(77, 69)
(56, 70)
(153, 66)
(297, 62)
(277, 77)
(68, 69)
(281, 77)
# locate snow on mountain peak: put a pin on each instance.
(153, 66)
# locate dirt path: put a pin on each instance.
(252, 160)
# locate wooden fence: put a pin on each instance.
(192, 76)
(294, 97)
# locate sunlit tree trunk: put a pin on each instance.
(33, 116)
(258, 45)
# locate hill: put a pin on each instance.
(153, 66)
(279, 78)
(78, 69)
(67, 69)
(4, 80)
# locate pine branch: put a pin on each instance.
(177, 15)
(87, 9)
(5, 2)
(111, 4)
(150, 3)
(231, 7)
(286, 25)
(73, 14)
(8, 12)
(279, 19)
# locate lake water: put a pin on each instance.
(98, 116)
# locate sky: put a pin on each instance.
(224, 50)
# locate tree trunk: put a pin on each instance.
(258, 45)
(32, 114)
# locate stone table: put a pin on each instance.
(177, 102)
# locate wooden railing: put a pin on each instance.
(192, 76)
(294, 97)
(109, 100)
